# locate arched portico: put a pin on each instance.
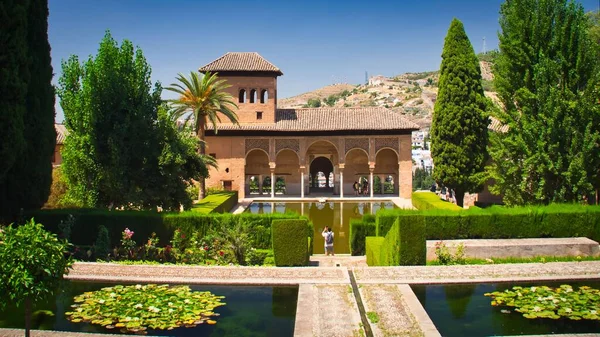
(287, 165)
(322, 156)
(256, 169)
(387, 168)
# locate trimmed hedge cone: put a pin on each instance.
(290, 242)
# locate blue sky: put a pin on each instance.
(314, 43)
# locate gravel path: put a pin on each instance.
(394, 317)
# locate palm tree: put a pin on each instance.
(204, 98)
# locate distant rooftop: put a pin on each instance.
(241, 62)
(61, 133)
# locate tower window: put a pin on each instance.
(253, 96)
(264, 96)
(259, 115)
(242, 97)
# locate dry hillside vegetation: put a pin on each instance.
(411, 94)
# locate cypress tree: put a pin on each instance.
(459, 125)
(31, 176)
(546, 77)
(13, 89)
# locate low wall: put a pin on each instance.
(519, 248)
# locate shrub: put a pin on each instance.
(429, 200)
(359, 230)
(373, 248)
(257, 257)
(219, 202)
(102, 244)
(405, 244)
(445, 257)
(290, 242)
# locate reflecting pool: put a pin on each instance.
(249, 311)
(463, 310)
(334, 214)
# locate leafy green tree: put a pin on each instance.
(594, 18)
(459, 125)
(204, 99)
(123, 149)
(546, 76)
(33, 264)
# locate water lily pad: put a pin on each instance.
(136, 308)
(550, 303)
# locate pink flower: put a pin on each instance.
(221, 253)
(206, 248)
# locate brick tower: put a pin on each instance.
(253, 83)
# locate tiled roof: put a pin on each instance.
(61, 133)
(497, 126)
(330, 119)
(241, 62)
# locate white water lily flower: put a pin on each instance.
(540, 298)
(533, 289)
(593, 312)
(186, 301)
(569, 290)
(555, 301)
(536, 309)
(138, 286)
(101, 301)
(563, 299)
(568, 310)
(137, 306)
(112, 295)
(170, 304)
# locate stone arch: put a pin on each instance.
(387, 168)
(264, 96)
(356, 167)
(256, 168)
(317, 142)
(320, 165)
(253, 96)
(387, 148)
(287, 168)
(327, 150)
(242, 96)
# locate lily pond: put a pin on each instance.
(226, 311)
(334, 214)
(465, 310)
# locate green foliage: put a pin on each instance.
(257, 257)
(102, 244)
(422, 179)
(459, 124)
(148, 306)
(405, 243)
(290, 242)
(429, 200)
(547, 302)
(594, 20)
(359, 230)
(220, 202)
(547, 80)
(373, 317)
(313, 103)
(27, 105)
(373, 247)
(445, 257)
(123, 148)
(331, 100)
(205, 99)
(33, 263)
(489, 56)
(58, 190)
(236, 238)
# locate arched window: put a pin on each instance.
(242, 98)
(264, 96)
(253, 96)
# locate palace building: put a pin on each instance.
(303, 152)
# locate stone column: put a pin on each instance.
(341, 168)
(260, 183)
(399, 172)
(371, 169)
(382, 183)
(302, 182)
(272, 183)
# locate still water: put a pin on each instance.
(249, 311)
(463, 310)
(334, 214)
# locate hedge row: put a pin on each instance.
(429, 200)
(87, 222)
(291, 242)
(359, 230)
(552, 221)
(219, 202)
(403, 245)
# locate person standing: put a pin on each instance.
(328, 236)
(365, 187)
(355, 187)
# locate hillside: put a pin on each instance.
(411, 94)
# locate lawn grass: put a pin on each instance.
(219, 202)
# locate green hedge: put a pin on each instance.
(143, 224)
(429, 200)
(290, 242)
(359, 230)
(219, 202)
(373, 247)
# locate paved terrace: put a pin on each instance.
(329, 303)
